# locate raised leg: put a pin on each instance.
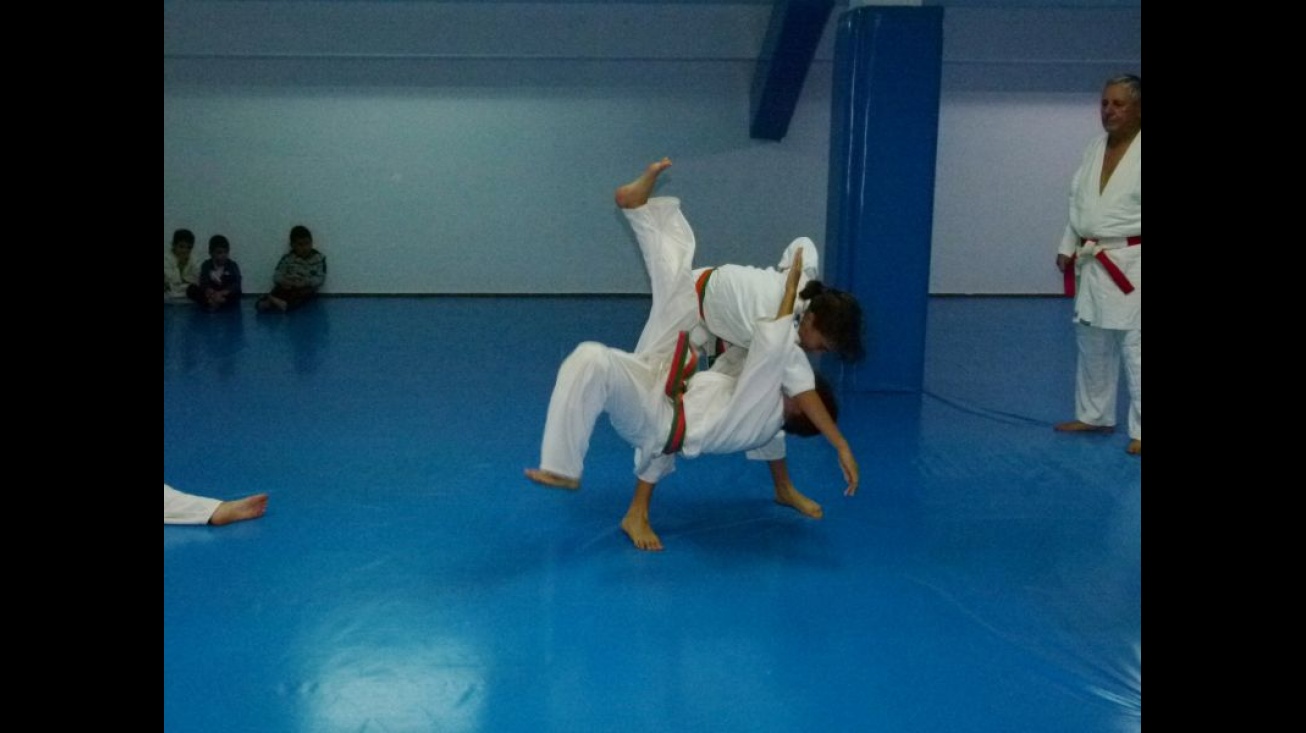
(635, 194)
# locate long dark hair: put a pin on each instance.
(838, 318)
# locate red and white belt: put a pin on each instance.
(1096, 249)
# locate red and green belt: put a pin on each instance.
(684, 362)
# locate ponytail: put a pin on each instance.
(838, 318)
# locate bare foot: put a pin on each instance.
(641, 533)
(635, 194)
(278, 303)
(548, 478)
(791, 497)
(1075, 426)
(251, 507)
(1135, 447)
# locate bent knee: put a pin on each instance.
(588, 351)
(589, 355)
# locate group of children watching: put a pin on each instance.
(216, 283)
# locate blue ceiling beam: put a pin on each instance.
(791, 40)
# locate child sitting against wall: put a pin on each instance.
(299, 274)
(219, 285)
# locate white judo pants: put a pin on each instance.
(1097, 377)
(629, 387)
(182, 508)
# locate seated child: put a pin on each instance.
(299, 274)
(219, 282)
(180, 270)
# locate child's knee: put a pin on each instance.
(588, 356)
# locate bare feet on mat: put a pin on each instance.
(641, 532)
(1135, 447)
(548, 478)
(791, 497)
(251, 507)
(635, 194)
(1075, 426)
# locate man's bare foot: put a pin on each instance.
(641, 533)
(251, 507)
(1075, 426)
(278, 303)
(548, 478)
(791, 497)
(1135, 447)
(635, 194)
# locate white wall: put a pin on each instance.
(1019, 103)
(466, 148)
(475, 157)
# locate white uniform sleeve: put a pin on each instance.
(811, 259)
(766, 363)
(798, 375)
(727, 414)
(1069, 242)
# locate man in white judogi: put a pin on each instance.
(1102, 250)
(649, 395)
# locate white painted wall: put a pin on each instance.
(465, 148)
(445, 149)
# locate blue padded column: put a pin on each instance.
(884, 130)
